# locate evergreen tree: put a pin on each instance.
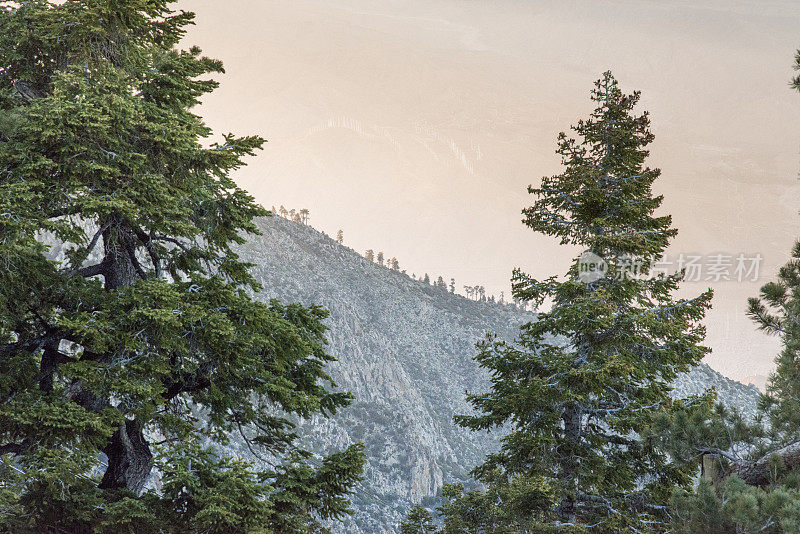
(468, 290)
(379, 259)
(585, 388)
(395, 264)
(340, 237)
(427, 279)
(777, 312)
(452, 285)
(756, 482)
(419, 521)
(142, 342)
(370, 255)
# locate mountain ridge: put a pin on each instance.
(404, 350)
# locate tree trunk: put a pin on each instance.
(119, 244)
(572, 417)
(129, 458)
(757, 472)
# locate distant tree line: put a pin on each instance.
(301, 216)
(477, 293)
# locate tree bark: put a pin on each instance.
(129, 458)
(572, 418)
(757, 472)
(119, 244)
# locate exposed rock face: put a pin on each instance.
(405, 351)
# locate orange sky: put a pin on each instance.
(415, 126)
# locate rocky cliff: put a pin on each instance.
(405, 351)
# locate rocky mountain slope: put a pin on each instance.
(405, 351)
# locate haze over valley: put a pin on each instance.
(415, 127)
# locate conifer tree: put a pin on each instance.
(370, 255)
(340, 237)
(584, 386)
(419, 521)
(777, 312)
(142, 342)
(756, 487)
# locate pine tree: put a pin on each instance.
(379, 258)
(756, 487)
(584, 386)
(452, 285)
(142, 342)
(340, 237)
(419, 521)
(777, 312)
(369, 255)
(395, 264)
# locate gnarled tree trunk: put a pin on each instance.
(757, 472)
(129, 458)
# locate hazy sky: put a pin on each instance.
(415, 126)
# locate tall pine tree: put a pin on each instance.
(585, 385)
(142, 347)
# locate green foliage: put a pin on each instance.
(737, 507)
(776, 312)
(585, 388)
(419, 521)
(146, 330)
(741, 498)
